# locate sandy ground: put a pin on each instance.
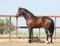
(24, 42)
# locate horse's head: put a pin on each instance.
(20, 12)
(25, 13)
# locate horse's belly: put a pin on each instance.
(37, 25)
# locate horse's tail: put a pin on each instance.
(51, 30)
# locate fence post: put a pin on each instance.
(39, 32)
(10, 28)
(55, 28)
(16, 27)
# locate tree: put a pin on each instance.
(7, 23)
(1, 24)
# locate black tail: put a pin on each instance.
(51, 29)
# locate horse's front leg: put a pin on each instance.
(30, 33)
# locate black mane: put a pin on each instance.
(31, 15)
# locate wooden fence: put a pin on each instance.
(9, 37)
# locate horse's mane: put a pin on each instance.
(32, 15)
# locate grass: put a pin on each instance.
(58, 33)
(35, 33)
(26, 33)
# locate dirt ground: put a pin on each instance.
(24, 42)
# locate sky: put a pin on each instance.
(37, 7)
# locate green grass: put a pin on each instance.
(58, 34)
(35, 33)
(26, 33)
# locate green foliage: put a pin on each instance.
(1, 24)
(5, 23)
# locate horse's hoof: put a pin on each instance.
(46, 42)
(51, 42)
(29, 41)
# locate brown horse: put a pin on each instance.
(34, 21)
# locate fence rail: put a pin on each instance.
(10, 16)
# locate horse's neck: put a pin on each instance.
(28, 16)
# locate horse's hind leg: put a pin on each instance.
(51, 35)
(47, 35)
(51, 38)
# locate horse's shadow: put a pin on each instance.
(37, 40)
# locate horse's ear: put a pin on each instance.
(22, 10)
(19, 8)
